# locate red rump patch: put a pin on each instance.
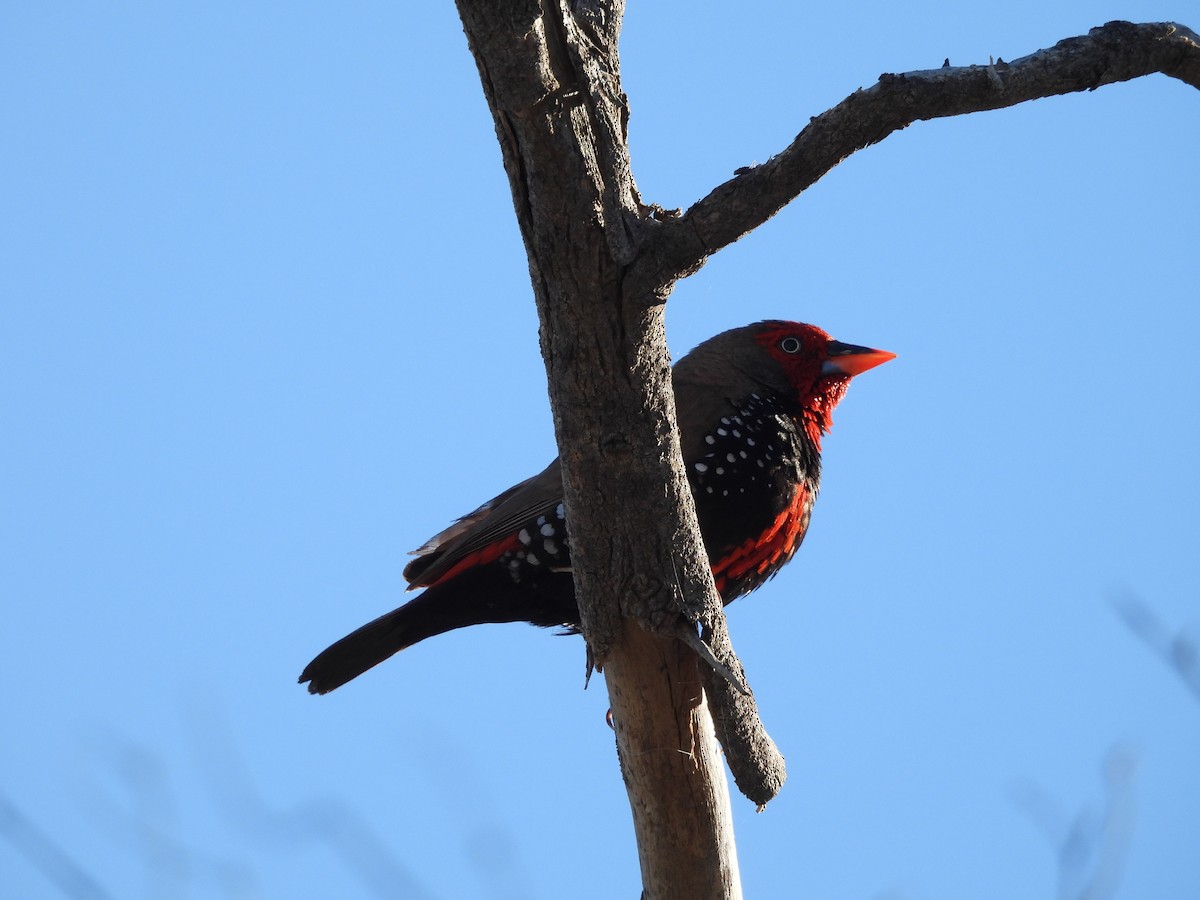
(481, 557)
(760, 556)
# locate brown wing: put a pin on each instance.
(486, 533)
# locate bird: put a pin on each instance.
(752, 405)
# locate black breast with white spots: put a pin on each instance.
(541, 547)
(746, 471)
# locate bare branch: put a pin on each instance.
(756, 763)
(1177, 650)
(1091, 846)
(41, 851)
(677, 789)
(1118, 51)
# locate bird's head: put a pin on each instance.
(805, 365)
(797, 365)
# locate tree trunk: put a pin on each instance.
(552, 81)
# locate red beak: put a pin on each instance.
(849, 359)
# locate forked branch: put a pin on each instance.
(602, 264)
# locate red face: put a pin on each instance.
(817, 367)
(800, 350)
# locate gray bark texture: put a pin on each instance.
(602, 263)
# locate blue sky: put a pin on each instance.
(265, 326)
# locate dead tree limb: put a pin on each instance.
(1118, 51)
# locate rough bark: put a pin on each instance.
(602, 264)
(551, 78)
(1118, 51)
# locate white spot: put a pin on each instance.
(724, 493)
(737, 420)
(724, 421)
(722, 432)
(550, 547)
(749, 442)
(731, 458)
(737, 433)
(524, 536)
(532, 560)
(700, 467)
(760, 464)
(560, 512)
(709, 439)
(708, 489)
(547, 530)
(742, 454)
(720, 471)
(541, 520)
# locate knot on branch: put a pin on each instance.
(648, 600)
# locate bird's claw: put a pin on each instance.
(686, 632)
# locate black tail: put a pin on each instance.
(472, 598)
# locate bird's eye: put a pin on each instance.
(789, 345)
